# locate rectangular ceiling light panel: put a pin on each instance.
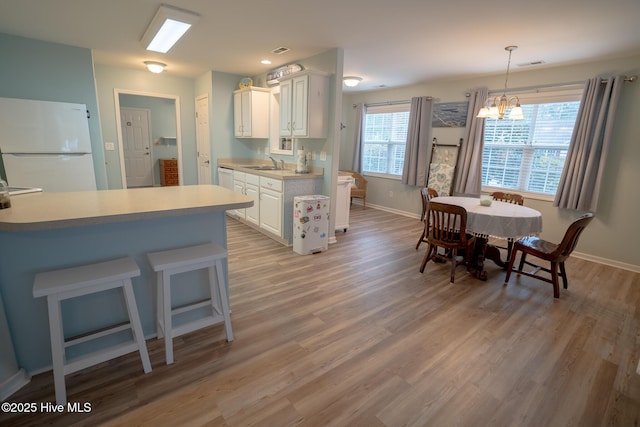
(167, 26)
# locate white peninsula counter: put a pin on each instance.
(47, 231)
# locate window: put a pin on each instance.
(384, 139)
(528, 155)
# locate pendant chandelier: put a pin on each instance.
(502, 103)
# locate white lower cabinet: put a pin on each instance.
(271, 205)
(252, 189)
(238, 187)
(272, 210)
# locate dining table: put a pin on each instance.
(499, 220)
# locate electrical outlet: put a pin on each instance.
(390, 193)
(323, 156)
(110, 146)
(314, 154)
(259, 150)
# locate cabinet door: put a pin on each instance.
(299, 107)
(285, 108)
(238, 187)
(253, 213)
(271, 211)
(246, 113)
(237, 114)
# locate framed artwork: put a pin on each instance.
(450, 114)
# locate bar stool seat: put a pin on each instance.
(59, 285)
(175, 261)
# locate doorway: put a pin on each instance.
(164, 129)
(202, 139)
(136, 146)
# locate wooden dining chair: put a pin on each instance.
(447, 230)
(556, 254)
(359, 189)
(426, 194)
(514, 198)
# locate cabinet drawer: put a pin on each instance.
(252, 179)
(238, 176)
(271, 184)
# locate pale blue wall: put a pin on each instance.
(109, 78)
(33, 69)
(608, 236)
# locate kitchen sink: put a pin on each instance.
(262, 168)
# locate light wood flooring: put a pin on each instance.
(356, 336)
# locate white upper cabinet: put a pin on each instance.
(251, 112)
(304, 105)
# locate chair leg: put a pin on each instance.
(522, 259)
(364, 203)
(454, 254)
(427, 256)
(420, 240)
(424, 233)
(512, 260)
(554, 279)
(563, 273)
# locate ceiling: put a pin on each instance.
(387, 43)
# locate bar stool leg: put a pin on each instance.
(134, 318)
(224, 300)
(57, 348)
(167, 317)
(159, 306)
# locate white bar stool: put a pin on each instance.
(181, 260)
(59, 285)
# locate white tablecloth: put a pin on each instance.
(501, 219)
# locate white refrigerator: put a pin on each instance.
(310, 224)
(46, 144)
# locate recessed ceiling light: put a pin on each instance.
(265, 62)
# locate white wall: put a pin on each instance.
(611, 237)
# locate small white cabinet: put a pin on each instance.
(252, 189)
(304, 105)
(271, 205)
(251, 112)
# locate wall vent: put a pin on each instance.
(280, 50)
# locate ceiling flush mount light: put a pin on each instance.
(265, 62)
(167, 26)
(500, 104)
(155, 67)
(351, 81)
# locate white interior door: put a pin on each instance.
(136, 145)
(203, 140)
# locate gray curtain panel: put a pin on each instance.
(418, 150)
(361, 109)
(468, 178)
(579, 186)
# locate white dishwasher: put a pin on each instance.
(225, 178)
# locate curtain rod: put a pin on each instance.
(404, 101)
(570, 85)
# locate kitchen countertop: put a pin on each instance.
(41, 211)
(282, 174)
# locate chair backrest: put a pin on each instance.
(427, 194)
(361, 182)
(570, 239)
(448, 225)
(514, 198)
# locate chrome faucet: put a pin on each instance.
(275, 164)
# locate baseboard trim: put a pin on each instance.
(13, 384)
